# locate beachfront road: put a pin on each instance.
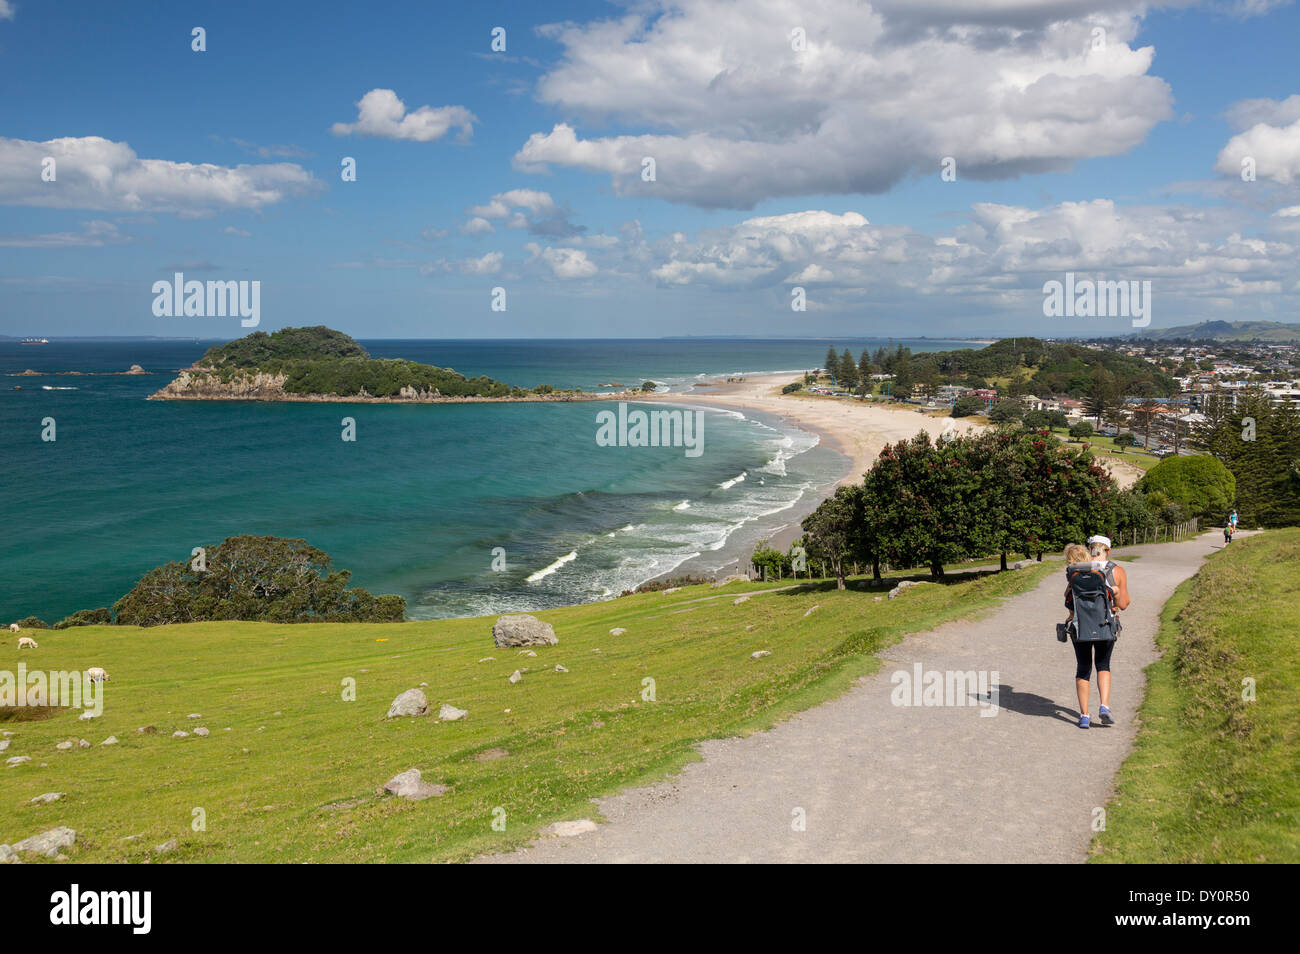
(874, 781)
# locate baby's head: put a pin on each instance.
(1076, 553)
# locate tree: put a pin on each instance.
(848, 371)
(832, 363)
(1201, 483)
(1081, 430)
(254, 578)
(770, 562)
(831, 529)
(966, 405)
(1104, 394)
(1126, 439)
(1259, 442)
(864, 373)
(1006, 412)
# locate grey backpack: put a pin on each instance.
(1091, 595)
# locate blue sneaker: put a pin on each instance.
(1104, 715)
(1083, 722)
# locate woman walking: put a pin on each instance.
(1090, 653)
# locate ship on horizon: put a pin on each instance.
(35, 341)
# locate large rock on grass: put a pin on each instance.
(412, 702)
(408, 784)
(48, 843)
(520, 629)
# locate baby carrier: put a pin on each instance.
(1091, 595)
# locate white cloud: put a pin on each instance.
(488, 264)
(7, 10)
(92, 233)
(522, 209)
(563, 262)
(732, 115)
(238, 233)
(380, 113)
(477, 226)
(1274, 148)
(96, 173)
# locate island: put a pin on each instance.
(320, 364)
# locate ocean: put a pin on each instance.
(464, 510)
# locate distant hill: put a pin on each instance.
(1276, 331)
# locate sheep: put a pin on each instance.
(95, 674)
(26, 642)
(14, 627)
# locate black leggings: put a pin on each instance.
(1084, 654)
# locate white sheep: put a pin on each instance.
(95, 674)
(14, 627)
(26, 642)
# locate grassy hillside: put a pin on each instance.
(1276, 331)
(290, 771)
(1216, 777)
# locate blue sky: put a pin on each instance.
(776, 167)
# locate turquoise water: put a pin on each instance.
(418, 503)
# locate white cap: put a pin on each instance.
(1104, 541)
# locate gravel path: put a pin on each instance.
(878, 782)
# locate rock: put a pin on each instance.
(201, 731)
(671, 590)
(47, 798)
(64, 746)
(180, 734)
(1021, 564)
(111, 740)
(4, 744)
(87, 716)
(147, 729)
(515, 677)
(135, 369)
(17, 759)
(759, 654)
(617, 631)
(449, 713)
(520, 629)
(83, 744)
(8, 856)
(527, 652)
(488, 659)
(569, 829)
(408, 784)
(132, 838)
(903, 585)
(559, 668)
(877, 599)
(412, 702)
(48, 843)
(733, 578)
(194, 715)
(739, 599)
(423, 684)
(811, 610)
(165, 847)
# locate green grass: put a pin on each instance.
(1106, 446)
(1214, 777)
(295, 778)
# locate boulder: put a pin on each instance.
(201, 731)
(63, 746)
(617, 631)
(1022, 564)
(408, 784)
(4, 744)
(17, 759)
(760, 654)
(449, 713)
(194, 715)
(905, 584)
(180, 734)
(568, 829)
(412, 702)
(48, 843)
(87, 716)
(83, 744)
(559, 668)
(165, 847)
(515, 677)
(520, 629)
(111, 740)
(47, 798)
(8, 856)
